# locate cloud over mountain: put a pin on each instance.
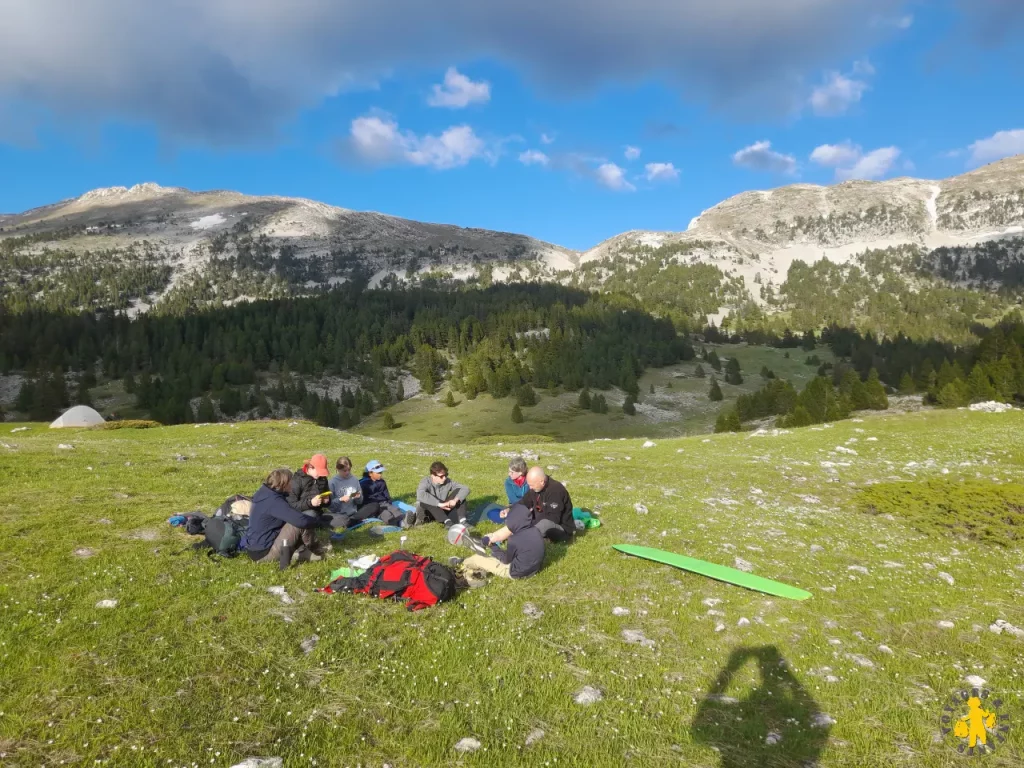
(234, 71)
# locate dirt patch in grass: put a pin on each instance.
(978, 509)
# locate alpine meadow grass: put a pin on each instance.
(194, 662)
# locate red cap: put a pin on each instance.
(319, 463)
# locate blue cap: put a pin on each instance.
(374, 466)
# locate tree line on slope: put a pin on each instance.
(497, 339)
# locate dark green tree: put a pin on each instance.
(517, 414)
(715, 392)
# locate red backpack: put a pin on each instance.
(401, 575)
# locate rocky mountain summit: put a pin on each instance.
(223, 246)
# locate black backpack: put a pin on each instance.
(223, 535)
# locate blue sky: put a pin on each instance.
(569, 120)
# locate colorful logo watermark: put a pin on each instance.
(973, 721)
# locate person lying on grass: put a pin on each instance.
(515, 483)
(377, 498)
(308, 485)
(276, 531)
(346, 493)
(525, 553)
(441, 497)
(550, 508)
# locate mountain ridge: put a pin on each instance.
(293, 244)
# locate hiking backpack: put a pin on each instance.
(223, 535)
(401, 575)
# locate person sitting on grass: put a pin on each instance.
(308, 486)
(525, 553)
(550, 508)
(515, 483)
(346, 493)
(276, 531)
(377, 498)
(441, 497)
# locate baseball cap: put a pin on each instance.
(374, 466)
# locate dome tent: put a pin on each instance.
(79, 416)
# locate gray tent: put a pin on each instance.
(79, 416)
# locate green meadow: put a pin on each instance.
(905, 529)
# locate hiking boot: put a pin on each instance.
(408, 521)
(454, 562)
(447, 524)
(476, 579)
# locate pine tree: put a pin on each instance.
(699, 371)
(628, 406)
(517, 415)
(344, 419)
(954, 395)
(808, 341)
(206, 414)
(450, 400)
(715, 392)
(874, 392)
(652, 389)
(732, 372)
(389, 420)
(713, 361)
(526, 396)
(584, 401)
(728, 420)
(767, 373)
(129, 384)
(907, 386)
(399, 392)
(979, 385)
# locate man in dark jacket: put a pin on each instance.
(550, 505)
(525, 553)
(276, 531)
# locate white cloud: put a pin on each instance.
(850, 161)
(997, 146)
(836, 155)
(534, 157)
(232, 72)
(612, 176)
(376, 139)
(760, 156)
(863, 67)
(837, 94)
(459, 91)
(632, 153)
(547, 138)
(661, 172)
(873, 165)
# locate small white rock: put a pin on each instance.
(107, 604)
(587, 695)
(467, 745)
(773, 737)
(946, 625)
(65, 447)
(946, 577)
(862, 661)
(648, 444)
(620, 611)
(857, 568)
(280, 592)
(885, 649)
(744, 621)
(719, 627)
(711, 602)
(534, 736)
(309, 643)
(260, 762)
(822, 720)
(817, 548)
(637, 637)
(1001, 625)
(743, 565)
(640, 508)
(974, 681)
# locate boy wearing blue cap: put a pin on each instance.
(377, 498)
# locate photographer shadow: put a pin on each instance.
(778, 723)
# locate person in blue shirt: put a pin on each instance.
(515, 483)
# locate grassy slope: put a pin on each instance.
(195, 666)
(682, 410)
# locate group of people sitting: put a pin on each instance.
(290, 508)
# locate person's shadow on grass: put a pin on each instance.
(777, 723)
